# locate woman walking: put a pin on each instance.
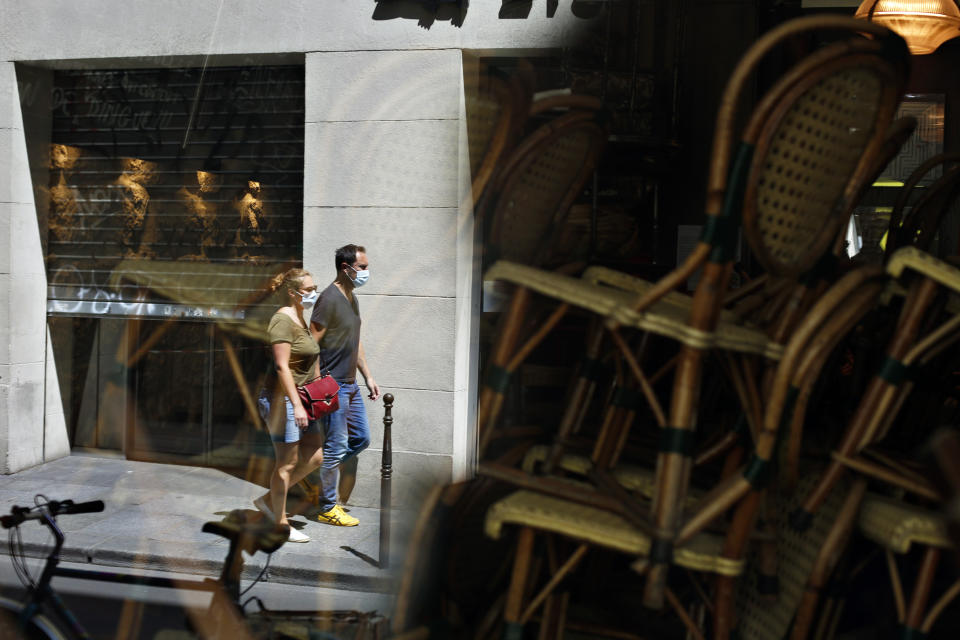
(297, 440)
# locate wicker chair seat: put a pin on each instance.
(630, 477)
(925, 264)
(895, 525)
(545, 513)
(928, 265)
(620, 280)
(667, 317)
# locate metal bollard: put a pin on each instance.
(386, 480)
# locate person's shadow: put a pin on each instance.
(251, 515)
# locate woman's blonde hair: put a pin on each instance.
(291, 279)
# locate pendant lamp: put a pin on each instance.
(924, 24)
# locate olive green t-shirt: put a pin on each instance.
(303, 348)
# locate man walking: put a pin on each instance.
(335, 324)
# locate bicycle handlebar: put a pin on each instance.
(18, 515)
(94, 506)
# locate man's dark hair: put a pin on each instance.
(347, 253)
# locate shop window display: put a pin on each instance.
(168, 197)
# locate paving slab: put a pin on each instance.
(154, 513)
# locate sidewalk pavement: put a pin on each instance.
(154, 513)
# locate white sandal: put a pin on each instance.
(296, 536)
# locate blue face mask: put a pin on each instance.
(362, 277)
(309, 299)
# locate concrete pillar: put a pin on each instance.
(383, 169)
(32, 426)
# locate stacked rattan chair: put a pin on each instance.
(918, 227)
(804, 154)
(923, 331)
(529, 196)
(928, 326)
(697, 550)
(535, 186)
(758, 294)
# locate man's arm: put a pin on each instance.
(319, 320)
(362, 366)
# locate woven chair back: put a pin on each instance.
(762, 617)
(822, 131)
(921, 225)
(539, 183)
(490, 119)
(918, 225)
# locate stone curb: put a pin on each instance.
(376, 581)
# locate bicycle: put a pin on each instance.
(224, 618)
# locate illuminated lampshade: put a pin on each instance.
(924, 24)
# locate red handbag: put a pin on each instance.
(320, 396)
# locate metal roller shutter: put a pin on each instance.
(161, 180)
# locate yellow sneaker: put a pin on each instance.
(337, 516)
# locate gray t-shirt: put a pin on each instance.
(340, 344)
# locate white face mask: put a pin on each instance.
(309, 299)
(362, 277)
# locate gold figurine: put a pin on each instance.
(62, 219)
(135, 234)
(252, 221)
(202, 221)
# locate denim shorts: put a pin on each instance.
(283, 428)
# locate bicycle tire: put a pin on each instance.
(40, 627)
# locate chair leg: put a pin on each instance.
(583, 391)
(673, 475)
(554, 617)
(768, 564)
(921, 589)
(876, 401)
(942, 603)
(513, 609)
(827, 559)
(734, 546)
(692, 629)
(558, 575)
(611, 441)
(491, 396)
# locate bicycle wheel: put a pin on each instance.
(39, 627)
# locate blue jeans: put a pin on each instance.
(347, 434)
(283, 427)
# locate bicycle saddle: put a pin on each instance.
(251, 535)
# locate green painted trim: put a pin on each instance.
(592, 370)
(725, 243)
(676, 440)
(757, 471)
(895, 372)
(627, 398)
(498, 378)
